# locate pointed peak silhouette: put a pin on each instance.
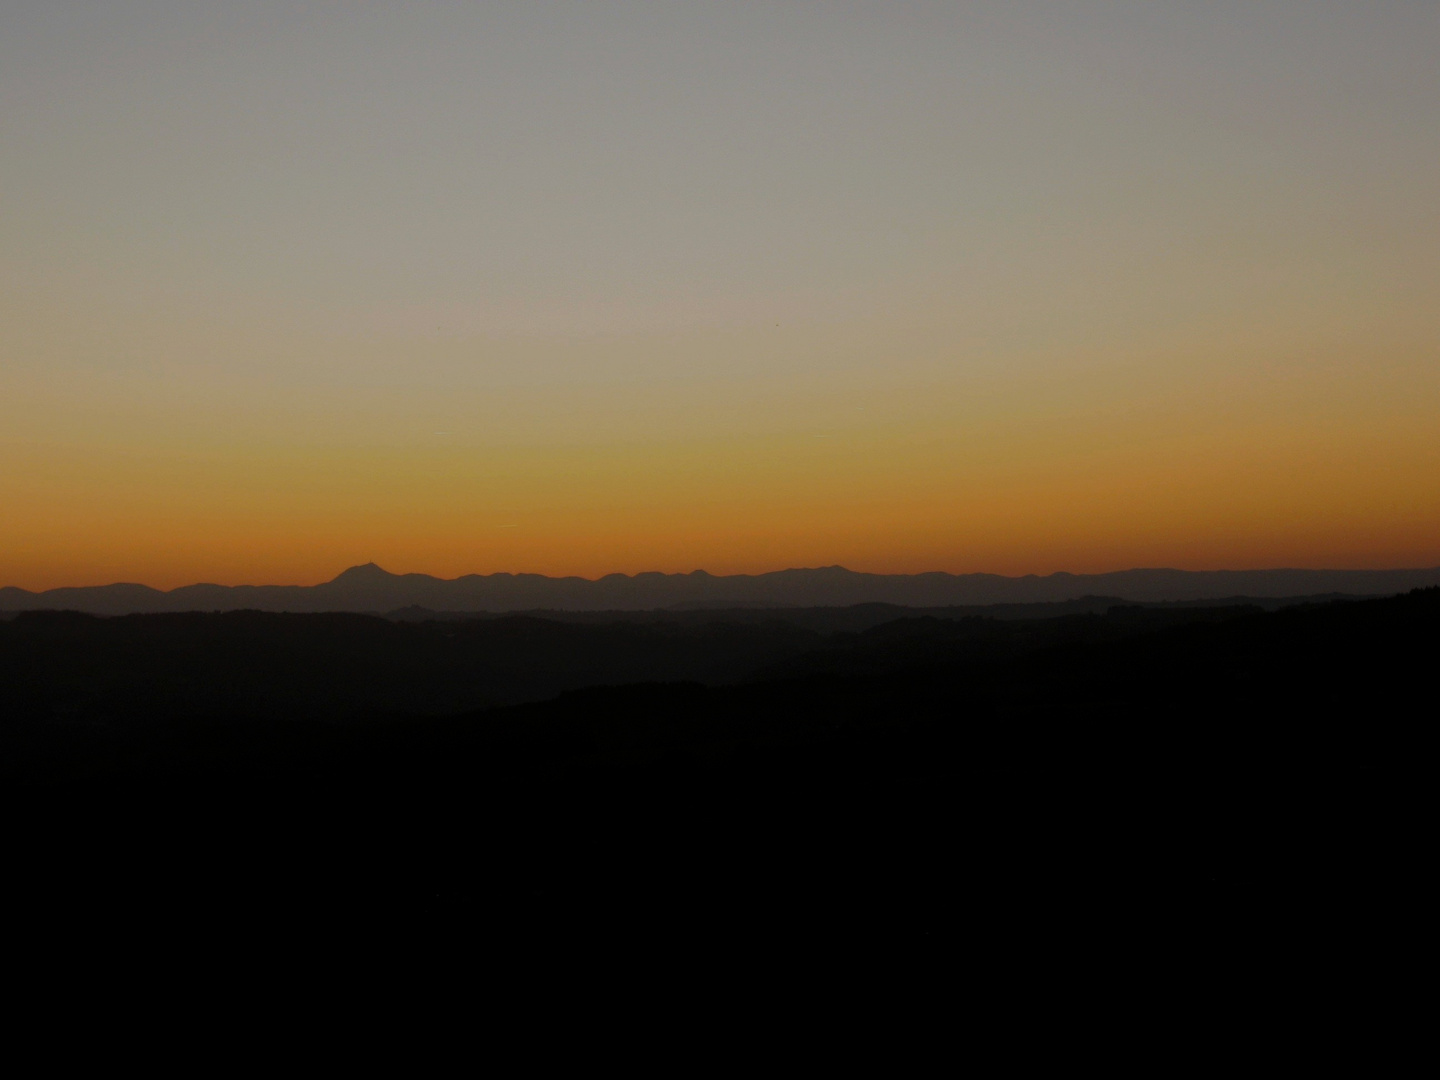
(368, 572)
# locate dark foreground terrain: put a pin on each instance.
(946, 788)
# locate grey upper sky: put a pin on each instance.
(619, 164)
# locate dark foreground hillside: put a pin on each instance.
(928, 787)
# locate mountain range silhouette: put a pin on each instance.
(369, 588)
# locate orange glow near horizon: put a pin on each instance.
(1256, 473)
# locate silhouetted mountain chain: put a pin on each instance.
(368, 588)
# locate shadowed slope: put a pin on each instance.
(1003, 793)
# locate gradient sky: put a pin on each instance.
(609, 286)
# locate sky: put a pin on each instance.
(577, 288)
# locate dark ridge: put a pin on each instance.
(862, 616)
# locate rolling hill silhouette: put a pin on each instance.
(971, 790)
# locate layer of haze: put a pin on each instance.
(593, 287)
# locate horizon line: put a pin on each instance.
(701, 572)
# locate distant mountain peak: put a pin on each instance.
(368, 572)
